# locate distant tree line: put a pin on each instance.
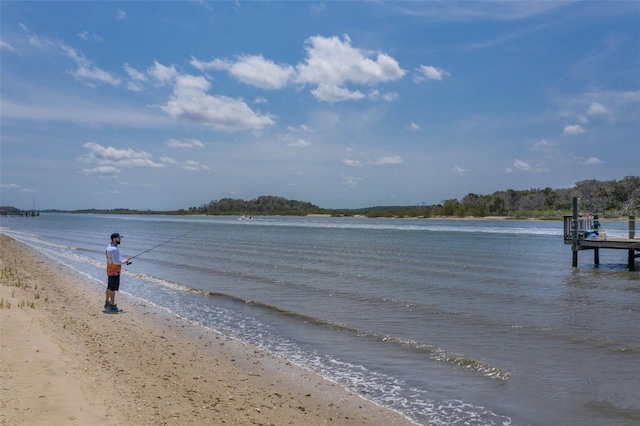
(264, 205)
(10, 210)
(614, 198)
(608, 199)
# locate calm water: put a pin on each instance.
(448, 322)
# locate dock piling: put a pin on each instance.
(574, 233)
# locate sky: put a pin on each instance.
(171, 105)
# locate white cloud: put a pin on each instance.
(194, 166)
(6, 46)
(350, 181)
(120, 14)
(459, 170)
(189, 165)
(89, 37)
(597, 109)
(331, 63)
(582, 119)
(526, 167)
(96, 74)
(302, 127)
(351, 163)
(13, 186)
(102, 170)
(385, 161)
(425, 72)
(587, 161)
(136, 78)
(134, 74)
(190, 101)
(163, 73)
(544, 146)
(390, 96)
(251, 69)
(521, 165)
(168, 160)
(331, 93)
(572, 130)
(299, 143)
(86, 71)
(413, 127)
(140, 184)
(110, 160)
(186, 143)
(214, 64)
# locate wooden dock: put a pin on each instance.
(24, 213)
(585, 233)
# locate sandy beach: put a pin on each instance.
(65, 361)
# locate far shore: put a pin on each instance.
(487, 218)
(602, 218)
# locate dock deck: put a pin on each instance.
(585, 233)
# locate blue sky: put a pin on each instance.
(168, 105)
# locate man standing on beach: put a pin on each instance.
(114, 266)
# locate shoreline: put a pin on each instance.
(65, 361)
(361, 216)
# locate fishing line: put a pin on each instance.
(161, 244)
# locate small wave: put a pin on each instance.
(472, 364)
(439, 354)
(26, 238)
(435, 353)
(459, 227)
(628, 350)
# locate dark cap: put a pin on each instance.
(115, 235)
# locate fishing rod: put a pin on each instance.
(161, 244)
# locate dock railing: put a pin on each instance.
(586, 233)
(583, 225)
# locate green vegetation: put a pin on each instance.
(264, 205)
(10, 277)
(609, 199)
(11, 210)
